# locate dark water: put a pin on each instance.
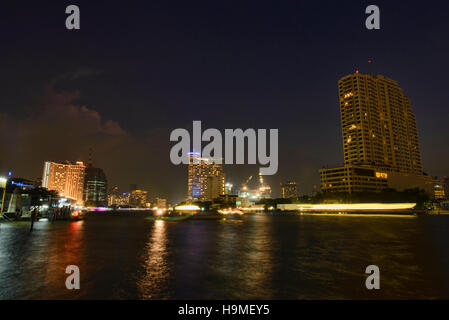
(261, 257)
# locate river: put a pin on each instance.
(124, 256)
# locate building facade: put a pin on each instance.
(380, 139)
(206, 179)
(138, 198)
(446, 187)
(160, 203)
(289, 189)
(378, 125)
(119, 199)
(95, 187)
(65, 178)
(353, 178)
(113, 196)
(440, 193)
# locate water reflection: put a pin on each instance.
(157, 270)
(34, 263)
(61, 252)
(249, 276)
(289, 257)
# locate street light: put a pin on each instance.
(3, 185)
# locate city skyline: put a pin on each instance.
(380, 142)
(231, 159)
(125, 106)
(352, 159)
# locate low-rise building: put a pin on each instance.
(357, 178)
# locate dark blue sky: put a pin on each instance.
(138, 69)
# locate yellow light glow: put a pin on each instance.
(230, 211)
(254, 208)
(357, 207)
(187, 208)
(382, 175)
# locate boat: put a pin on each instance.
(76, 215)
(170, 218)
(231, 214)
(351, 208)
(207, 215)
(162, 214)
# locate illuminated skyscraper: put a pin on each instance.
(113, 196)
(264, 190)
(95, 187)
(138, 198)
(380, 139)
(378, 125)
(289, 190)
(206, 179)
(160, 203)
(65, 178)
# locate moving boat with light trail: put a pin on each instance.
(351, 208)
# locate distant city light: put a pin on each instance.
(230, 211)
(349, 207)
(20, 184)
(187, 207)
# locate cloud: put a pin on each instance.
(56, 128)
(84, 72)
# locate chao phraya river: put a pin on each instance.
(125, 256)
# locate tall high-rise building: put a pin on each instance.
(95, 187)
(65, 178)
(264, 190)
(380, 139)
(138, 198)
(113, 196)
(289, 189)
(378, 125)
(160, 203)
(206, 179)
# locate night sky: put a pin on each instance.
(139, 69)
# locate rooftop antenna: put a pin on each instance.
(90, 162)
(370, 67)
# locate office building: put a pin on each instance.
(113, 196)
(264, 189)
(65, 178)
(380, 139)
(95, 187)
(446, 187)
(206, 179)
(440, 193)
(160, 203)
(289, 189)
(138, 198)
